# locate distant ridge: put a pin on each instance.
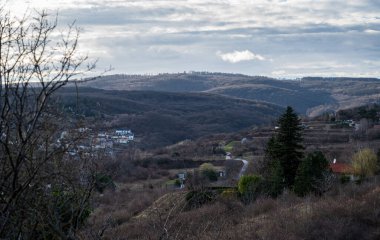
(309, 95)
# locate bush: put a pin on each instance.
(210, 175)
(197, 198)
(177, 183)
(229, 194)
(364, 163)
(103, 181)
(344, 179)
(250, 187)
(208, 171)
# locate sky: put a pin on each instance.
(276, 38)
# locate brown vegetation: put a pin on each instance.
(346, 212)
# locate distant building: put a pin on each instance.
(340, 169)
(182, 176)
(123, 136)
(182, 179)
(123, 132)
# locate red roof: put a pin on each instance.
(341, 168)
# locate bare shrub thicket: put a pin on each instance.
(116, 208)
(346, 212)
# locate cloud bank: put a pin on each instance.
(303, 37)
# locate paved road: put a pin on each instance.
(243, 168)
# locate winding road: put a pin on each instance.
(243, 168)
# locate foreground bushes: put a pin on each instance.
(348, 212)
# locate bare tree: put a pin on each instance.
(44, 192)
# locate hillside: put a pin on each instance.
(162, 118)
(311, 96)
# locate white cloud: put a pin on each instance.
(239, 56)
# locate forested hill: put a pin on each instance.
(163, 118)
(309, 95)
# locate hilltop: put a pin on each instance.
(310, 96)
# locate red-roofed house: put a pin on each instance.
(343, 169)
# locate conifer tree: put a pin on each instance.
(290, 149)
(310, 173)
(284, 153)
(273, 173)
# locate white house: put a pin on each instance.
(123, 136)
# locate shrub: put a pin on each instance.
(197, 198)
(250, 187)
(344, 179)
(364, 163)
(103, 181)
(208, 171)
(177, 183)
(229, 193)
(210, 175)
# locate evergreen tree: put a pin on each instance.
(283, 154)
(378, 161)
(275, 180)
(273, 171)
(310, 174)
(289, 150)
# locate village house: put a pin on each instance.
(123, 136)
(343, 169)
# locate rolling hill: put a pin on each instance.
(163, 118)
(310, 95)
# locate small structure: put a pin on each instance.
(228, 156)
(341, 169)
(350, 123)
(182, 178)
(123, 132)
(123, 136)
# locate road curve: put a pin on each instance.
(243, 168)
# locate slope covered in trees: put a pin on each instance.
(162, 118)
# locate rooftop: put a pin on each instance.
(341, 168)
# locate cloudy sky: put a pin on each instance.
(279, 38)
